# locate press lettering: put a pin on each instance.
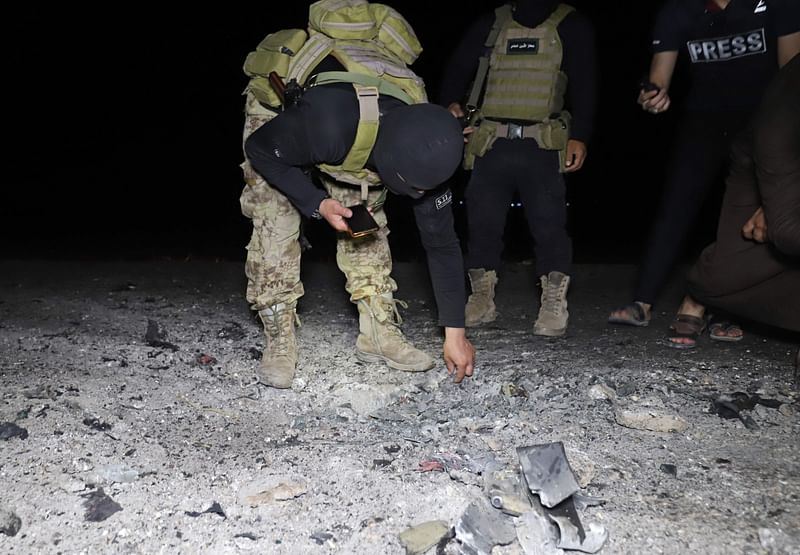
(755, 42)
(710, 50)
(724, 48)
(739, 46)
(721, 49)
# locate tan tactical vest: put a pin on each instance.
(525, 81)
(373, 42)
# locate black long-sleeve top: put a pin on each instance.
(578, 63)
(321, 129)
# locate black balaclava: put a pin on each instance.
(532, 13)
(418, 148)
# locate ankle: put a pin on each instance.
(692, 307)
(646, 307)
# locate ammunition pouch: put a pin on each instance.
(274, 53)
(479, 142)
(555, 132)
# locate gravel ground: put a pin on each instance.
(131, 423)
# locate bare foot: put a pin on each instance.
(635, 314)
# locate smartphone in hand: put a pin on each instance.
(361, 223)
(648, 86)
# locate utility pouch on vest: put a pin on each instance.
(555, 135)
(555, 132)
(479, 143)
(274, 53)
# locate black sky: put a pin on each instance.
(123, 130)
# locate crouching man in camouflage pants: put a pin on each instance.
(417, 148)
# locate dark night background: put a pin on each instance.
(123, 130)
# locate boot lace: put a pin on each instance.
(277, 321)
(393, 320)
(552, 296)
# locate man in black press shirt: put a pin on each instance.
(733, 48)
(529, 62)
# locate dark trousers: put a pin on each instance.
(700, 153)
(743, 277)
(518, 166)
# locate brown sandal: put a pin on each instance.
(686, 326)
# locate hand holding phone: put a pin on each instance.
(649, 86)
(361, 223)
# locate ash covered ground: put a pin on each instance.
(131, 423)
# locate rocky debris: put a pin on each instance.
(269, 491)
(602, 392)
(536, 507)
(322, 537)
(547, 472)
(537, 535)
(96, 423)
(420, 538)
(233, 332)
(778, 542)
(205, 360)
(10, 523)
(651, 421)
(192, 423)
(99, 506)
(732, 405)
(156, 337)
(9, 430)
(113, 474)
(482, 527)
(214, 509)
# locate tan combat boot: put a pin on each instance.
(553, 314)
(280, 354)
(381, 339)
(480, 307)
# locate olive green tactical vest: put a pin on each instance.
(525, 81)
(373, 42)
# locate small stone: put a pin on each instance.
(420, 538)
(670, 469)
(9, 430)
(651, 421)
(602, 391)
(10, 523)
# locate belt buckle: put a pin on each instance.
(514, 131)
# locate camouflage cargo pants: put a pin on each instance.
(273, 253)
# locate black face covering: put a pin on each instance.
(418, 148)
(531, 13)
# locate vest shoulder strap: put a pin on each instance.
(501, 16)
(559, 14)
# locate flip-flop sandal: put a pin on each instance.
(725, 327)
(634, 316)
(686, 326)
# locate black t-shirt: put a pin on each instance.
(732, 53)
(321, 129)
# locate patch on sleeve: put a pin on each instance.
(444, 200)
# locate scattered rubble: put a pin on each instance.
(355, 454)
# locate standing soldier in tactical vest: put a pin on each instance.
(525, 60)
(341, 101)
